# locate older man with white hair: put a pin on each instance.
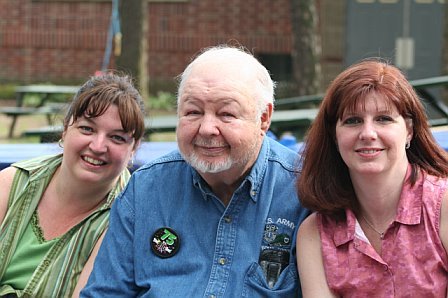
(218, 217)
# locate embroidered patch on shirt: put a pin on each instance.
(275, 250)
(278, 233)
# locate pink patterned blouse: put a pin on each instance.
(414, 262)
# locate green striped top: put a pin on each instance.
(27, 256)
(57, 273)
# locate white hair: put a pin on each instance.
(264, 85)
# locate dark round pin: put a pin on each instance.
(165, 242)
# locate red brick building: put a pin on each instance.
(63, 42)
(58, 42)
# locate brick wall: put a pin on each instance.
(178, 30)
(51, 41)
(63, 42)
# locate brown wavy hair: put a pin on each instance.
(324, 184)
(99, 92)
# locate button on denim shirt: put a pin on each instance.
(220, 248)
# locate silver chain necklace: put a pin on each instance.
(373, 228)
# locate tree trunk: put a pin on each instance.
(306, 49)
(134, 27)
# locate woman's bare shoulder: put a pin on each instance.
(308, 227)
(6, 178)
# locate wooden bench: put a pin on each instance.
(422, 87)
(44, 92)
(46, 134)
(281, 120)
(166, 123)
(44, 105)
(52, 133)
(436, 109)
(15, 112)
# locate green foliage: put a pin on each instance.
(7, 91)
(31, 99)
(162, 101)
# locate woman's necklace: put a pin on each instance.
(373, 228)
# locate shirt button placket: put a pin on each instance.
(222, 261)
(224, 250)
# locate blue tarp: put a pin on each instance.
(442, 138)
(10, 153)
(148, 151)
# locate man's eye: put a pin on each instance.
(226, 114)
(192, 112)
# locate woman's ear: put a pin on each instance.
(135, 147)
(61, 140)
(410, 129)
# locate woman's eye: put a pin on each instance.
(85, 129)
(384, 118)
(352, 121)
(118, 139)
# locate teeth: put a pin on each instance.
(93, 161)
(367, 151)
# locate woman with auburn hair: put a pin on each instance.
(376, 179)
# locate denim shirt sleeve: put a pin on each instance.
(113, 272)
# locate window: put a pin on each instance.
(279, 66)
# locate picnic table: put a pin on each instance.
(291, 114)
(281, 120)
(42, 107)
(52, 133)
(44, 92)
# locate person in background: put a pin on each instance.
(218, 217)
(377, 180)
(54, 210)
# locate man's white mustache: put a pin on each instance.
(208, 143)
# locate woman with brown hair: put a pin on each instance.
(376, 179)
(54, 210)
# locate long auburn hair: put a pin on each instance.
(324, 184)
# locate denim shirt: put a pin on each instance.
(223, 251)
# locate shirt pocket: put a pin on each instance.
(255, 284)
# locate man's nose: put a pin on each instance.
(209, 125)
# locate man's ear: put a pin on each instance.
(266, 117)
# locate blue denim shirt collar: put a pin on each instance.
(254, 178)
